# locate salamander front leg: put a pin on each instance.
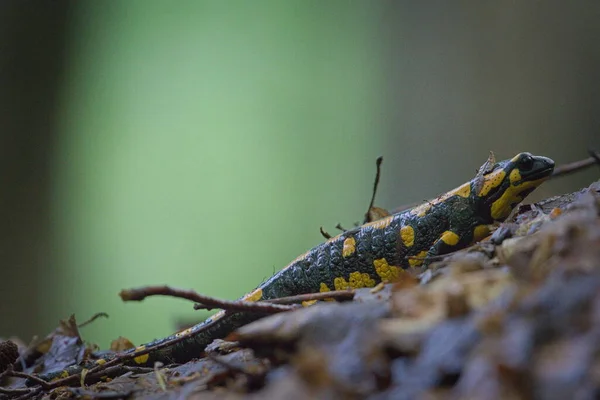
(447, 243)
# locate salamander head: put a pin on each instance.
(509, 182)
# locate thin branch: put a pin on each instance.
(33, 392)
(207, 302)
(92, 319)
(4, 390)
(41, 382)
(336, 294)
(325, 234)
(576, 166)
(138, 294)
(340, 227)
(375, 185)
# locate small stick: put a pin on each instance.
(139, 294)
(119, 358)
(576, 166)
(375, 185)
(336, 294)
(32, 392)
(340, 227)
(92, 319)
(41, 382)
(595, 155)
(325, 234)
(90, 394)
(4, 390)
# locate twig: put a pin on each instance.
(7, 371)
(32, 392)
(41, 382)
(83, 393)
(325, 234)
(576, 166)
(207, 302)
(371, 213)
(140, 370)
(336, 294)
(340, 227)
(140, 294)
(4, 390)
(595, 155)
(13, 392)
(26, 392)
(375, 185)
(92, 319)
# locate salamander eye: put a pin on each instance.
(526, 163)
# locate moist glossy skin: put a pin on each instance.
(377, 251)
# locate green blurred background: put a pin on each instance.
(201, 144)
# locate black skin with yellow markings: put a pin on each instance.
(377, 251)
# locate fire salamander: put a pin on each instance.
(372, 253)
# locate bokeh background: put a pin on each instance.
(201, 144)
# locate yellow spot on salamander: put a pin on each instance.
(463, 191)
(450, 238)
(349, 247)
(356, 280)
(100, 361)
(502, 207)
(341, 284)
(254, 296)
(407, 234)
(143, 358)
(480, 232)
(64, 374)
(325, 288)
(308, 303)
(387, 273)
(491, 181)
(515, 176)
(417, 260)
(381, 223)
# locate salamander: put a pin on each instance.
(371, 253)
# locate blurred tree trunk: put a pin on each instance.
(32, 36)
